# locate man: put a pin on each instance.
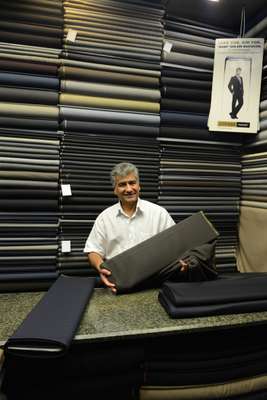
(237, 89)
(125, 224)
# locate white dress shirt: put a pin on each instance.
(114, 231)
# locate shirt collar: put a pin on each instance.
(139, 208)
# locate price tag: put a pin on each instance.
(71, 36)
(66, 190)
(167, 47)
(66, 246)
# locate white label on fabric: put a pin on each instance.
(167, 47)
(66, 190)
(71, 36)
(66, 246)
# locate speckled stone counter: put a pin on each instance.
(111, 317)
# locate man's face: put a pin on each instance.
(238, 71)
(127, 189)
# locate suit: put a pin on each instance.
(237, 89)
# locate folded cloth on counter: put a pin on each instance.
(239, 293)
(142, 263)
(49, 328)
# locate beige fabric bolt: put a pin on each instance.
(103, 102)
(252, 251)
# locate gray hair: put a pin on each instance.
(123, 169)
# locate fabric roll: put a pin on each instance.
(111, 67)
(41, 82)
(194, 29)
(226, 390)
(97, 26)
(183, 119)
(23, 123)
(101, 35)
(116, 53)
(103, 103)
(29, 203)
(188, 60)
(186, 83)
(109, 47)
(192, 133)
(9, 65)
(27, 184)
(121, 92)
(28, 111)
(185, 105)
(192, 48)
(114, 61)
(98, 115)
(26, 16)
(33, 29)
(263, 105)
(20, 95)
(30, 39)
(108, 77)
(175, 93)
(109, 128)
(257, 29)
(41, 331)
(186, 74)
(193, 231)
(24, 277)
(237, 294)
(189, 38)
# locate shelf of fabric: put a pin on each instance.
(200, 170)
(109, 109)
(31, 35)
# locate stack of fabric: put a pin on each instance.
(109, 110)
(200, 170)
(29, 157)
(194, 366)
(253, 213)
(33, 23)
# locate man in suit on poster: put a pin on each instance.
(237, 89)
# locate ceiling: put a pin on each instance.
(224, 13)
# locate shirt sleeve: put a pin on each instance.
(96, 241)
(166, 220)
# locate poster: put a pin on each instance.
(236, 85)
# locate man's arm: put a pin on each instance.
(95, 260)
(230, 85)
(95, 249)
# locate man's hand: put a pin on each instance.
(184, 265)
(104, 274)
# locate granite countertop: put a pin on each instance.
(108, 316)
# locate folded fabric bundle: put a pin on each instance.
(236, 294)
(49, 328)
(143, 264)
